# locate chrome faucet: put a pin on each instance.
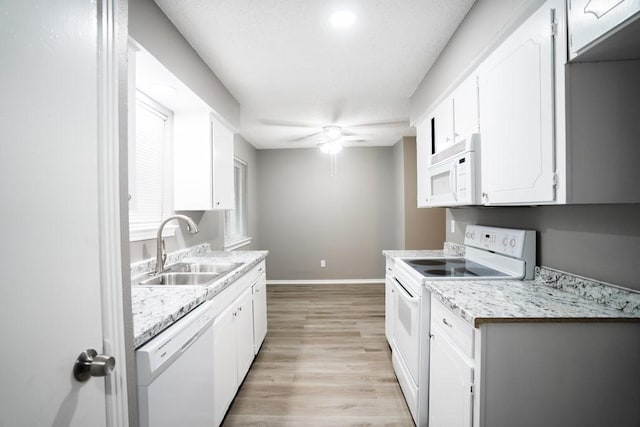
(161, 256)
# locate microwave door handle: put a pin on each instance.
(453, 180)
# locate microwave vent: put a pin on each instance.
(465, 145)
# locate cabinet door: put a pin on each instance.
(224, 361)
(517, 114)
(192, 173)
(450, 382)
(465, 109)
(443, 125)
(423, 152)
(590, 20)
(244, 333)
(259, 312)
(389, 311)
(223, 189)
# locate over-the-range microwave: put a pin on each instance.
(452, 178)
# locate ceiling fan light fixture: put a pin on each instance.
(332, 132)
(331, 147)
(342, 18)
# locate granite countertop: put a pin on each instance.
(155, 308)
(553, 296)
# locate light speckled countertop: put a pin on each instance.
(553, 296)
(157, 307)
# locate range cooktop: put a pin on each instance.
(452, 267)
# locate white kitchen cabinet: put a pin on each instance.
(457, 116)
(224, 362)
(465, 109)
(590, 21)
(259, 311)
(517, 99)
(244, 333)
(450, 383)
(529, 374)
(234, 332)
(203, 162)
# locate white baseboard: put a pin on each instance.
(326, 282)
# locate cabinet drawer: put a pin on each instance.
(451, 325)
(256, 271)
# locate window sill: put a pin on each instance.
(237, 244)
(150, 231)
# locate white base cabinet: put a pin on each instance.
(241, 310)
(552, 374)
(259, 312)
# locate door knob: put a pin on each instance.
(91, 364)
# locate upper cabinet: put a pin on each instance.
(591, 22)
(517, 88)
(203, 162)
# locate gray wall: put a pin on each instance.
(399, 193)
(149, 26)
(598, 241)
(423, 228)
(307, 215)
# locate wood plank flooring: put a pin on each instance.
(325, 362)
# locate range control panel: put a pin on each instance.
(506, 241)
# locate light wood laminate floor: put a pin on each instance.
(325, 362)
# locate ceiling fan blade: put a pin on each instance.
(307, 137)
(354, 137)
(398, 123)
(285, 123)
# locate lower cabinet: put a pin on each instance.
(530, 374)
(450, 384)
(259, 311)
(242, 318)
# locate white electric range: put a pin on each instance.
(491, 253)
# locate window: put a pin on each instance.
(235, 221)
(150, 182)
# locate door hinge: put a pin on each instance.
(554, 23)
(554, 179)
(471, 389)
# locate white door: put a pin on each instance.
(450, 381)
(224, 361)
(517, 116)
(51, 308)
(259, 312)
(244, 333)
(465, 109)
(423, 152)
(443, 125)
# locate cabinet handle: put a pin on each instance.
(239, 308)
(444, 320)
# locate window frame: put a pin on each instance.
(148, 230)
(240, 190)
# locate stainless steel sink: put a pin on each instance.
(181, 278)
(204, 267)
(191, 273)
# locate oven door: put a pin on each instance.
(406, 328)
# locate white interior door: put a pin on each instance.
(50, 297)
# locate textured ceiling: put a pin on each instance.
(293, 73)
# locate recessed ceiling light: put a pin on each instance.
(342, 19)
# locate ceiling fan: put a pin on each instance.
(333, 133)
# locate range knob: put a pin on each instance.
(513, 243)
(505, 241)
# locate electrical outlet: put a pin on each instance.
(323, 263)
(453, 225)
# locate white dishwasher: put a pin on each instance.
(175, 373)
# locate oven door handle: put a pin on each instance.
(404, 293)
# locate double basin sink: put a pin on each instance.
(185, 273)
